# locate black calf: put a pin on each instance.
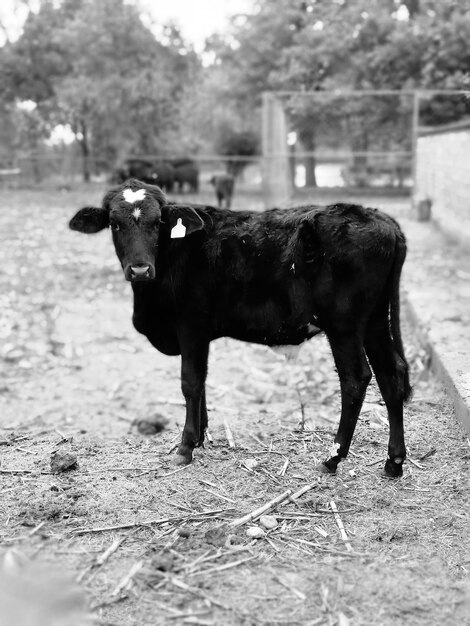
(273, 278)
(223, 187)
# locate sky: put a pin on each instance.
(197, 19)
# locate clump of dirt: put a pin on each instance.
(223, 536)
(397, 533)
(63, 461)
(55, 505)
(165, 561)
(152, 424)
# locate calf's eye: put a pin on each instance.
(115, 226)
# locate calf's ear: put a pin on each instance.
(90, 220)
(188, 216)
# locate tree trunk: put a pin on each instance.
(359, 141)
(292, 165)
(85, 148)
(36, 168)
(308, 140)
(34, 157)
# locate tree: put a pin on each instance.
(115, 93)
(239, 144)
(446, 65)
(94, 65)
(317, 46)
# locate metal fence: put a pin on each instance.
(67, 168)
(65, 172)
(311, 142)
(357, 139)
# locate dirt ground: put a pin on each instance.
(125, 538)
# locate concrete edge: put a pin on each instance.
(461, 407)
(452, 236)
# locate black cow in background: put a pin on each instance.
(165, 173)
(143, 169)
(148, 171)
(223, 187)
(186, 174)
(273, 278)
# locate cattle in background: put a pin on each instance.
(223, 187)
(148, 171)
(165, 175)
(178, 161)
(142, 169)
(119, 175)
(274, 278)
(186, 174)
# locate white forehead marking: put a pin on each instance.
(136, 213)
(133, 196)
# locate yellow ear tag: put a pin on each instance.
(179, 230)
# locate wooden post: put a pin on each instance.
(277, 186)
(414, 140)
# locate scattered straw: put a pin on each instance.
(340, 524)
(229, 435)
(127, 580)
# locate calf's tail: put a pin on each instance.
(400, 255)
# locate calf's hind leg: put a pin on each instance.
(204, 418)
(389, 369)
(354, 376)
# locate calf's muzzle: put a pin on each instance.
(139, 272)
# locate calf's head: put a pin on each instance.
(138, 215)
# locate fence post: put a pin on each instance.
(277, 184)
(414, 139)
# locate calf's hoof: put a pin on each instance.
(183, 456)
(181, 460)
(393, 469)
(328, 467)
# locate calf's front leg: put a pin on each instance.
(194, 356)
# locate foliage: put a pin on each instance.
(8, 134)
(446, 65)
(317, 46)
(94, 65)
(126, 85)
(360, 44)
(239, 144)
